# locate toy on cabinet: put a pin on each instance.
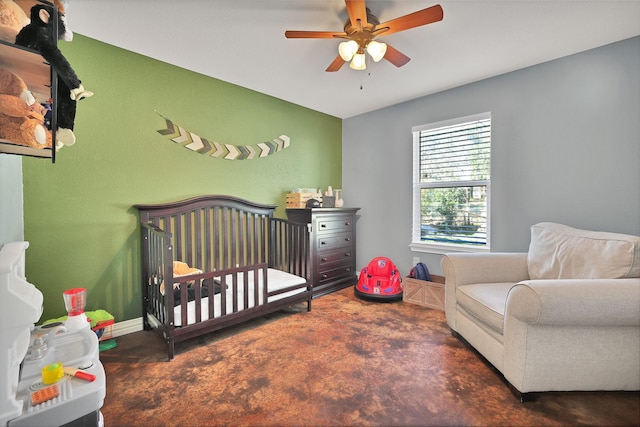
(26, 89)
(21, 115)
(12, 20)
(39, 36)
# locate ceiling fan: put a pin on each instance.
(362, 28)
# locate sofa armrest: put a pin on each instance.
(467, 268)
(575, 302)
(497, 267)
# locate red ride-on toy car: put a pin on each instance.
(379, 281)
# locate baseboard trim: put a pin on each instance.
(127, 327)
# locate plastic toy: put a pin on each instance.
(380, 281)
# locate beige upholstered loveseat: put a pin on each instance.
(564, 316)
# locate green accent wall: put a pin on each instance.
(78, 214)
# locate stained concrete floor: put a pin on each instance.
(348, 362)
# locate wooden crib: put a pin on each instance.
(215, 261)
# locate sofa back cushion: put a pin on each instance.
(560, 252)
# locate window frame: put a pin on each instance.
(417, 244)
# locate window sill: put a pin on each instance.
(443, 248)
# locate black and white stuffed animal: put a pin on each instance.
(38, 35)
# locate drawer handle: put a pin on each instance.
(347, 254)
(324, 276)
(323, 225)
(347, 269)
(323, 242)
(347, 239)
(347, 223)
(323, 259)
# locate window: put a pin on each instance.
(451, 183)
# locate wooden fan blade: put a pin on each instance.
(356, 10)
(396, 57)
(336, 64)
(416, 19)
(313, 34)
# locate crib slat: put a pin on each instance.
(207, 241)
(232, 240)
(211, 296)
(198, 301)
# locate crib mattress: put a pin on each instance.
(276, 279)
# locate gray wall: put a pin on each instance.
(565, 148)
(11, 210)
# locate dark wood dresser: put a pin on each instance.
(333, 246)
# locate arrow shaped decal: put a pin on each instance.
(220, 150)
(286, 140)
(233, 152)
(264, 149)
(170, 130)
(279, 144)
(197, 144)
(206, 146)
(201, 145)
(184, 136)
(252, 152)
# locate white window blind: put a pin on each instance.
(452, 171)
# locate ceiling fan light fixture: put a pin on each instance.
(347, 49)
(358, 62)
(377, 50)
(362, 27)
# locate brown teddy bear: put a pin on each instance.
(21, 116)
(12, 20)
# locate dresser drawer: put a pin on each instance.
(335, 241)
(336, 223)
(336, 272)
(329, 257)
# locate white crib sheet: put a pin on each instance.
(276, 279)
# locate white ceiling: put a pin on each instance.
(242, 42)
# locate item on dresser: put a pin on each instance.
(312, 203)
(339, 201)
(328, 201)
(256, 263)
(299, 200)
(332, 248)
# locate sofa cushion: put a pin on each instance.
(485, 301)
(560, 252)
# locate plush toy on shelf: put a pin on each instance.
(12, 20)
(21, 116)
(39, 36)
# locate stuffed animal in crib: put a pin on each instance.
(21, 115)
(181, 269)
(38, 35)
(12, 20)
